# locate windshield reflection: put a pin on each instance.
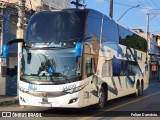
(50, 65)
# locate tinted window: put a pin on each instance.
(88, 67)
(56, 26)
(130, 39)
(124, 67)
(110, 31)
(94, 22)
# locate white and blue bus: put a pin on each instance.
(80, 57)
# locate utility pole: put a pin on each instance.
(20, 35)
(111, 9)
(148, 44)
(147, 27)
(77, 4)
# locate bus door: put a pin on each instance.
(87, 74)
(88, 61)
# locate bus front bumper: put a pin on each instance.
(67, 101)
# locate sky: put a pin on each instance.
(135, 17)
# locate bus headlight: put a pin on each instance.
(73, 100)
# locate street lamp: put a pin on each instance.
(127, 11)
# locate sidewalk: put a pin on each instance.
(8, 100)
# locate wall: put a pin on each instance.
(36, 4)
(11, 74)
(2, 81)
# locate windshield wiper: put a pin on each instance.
(57, 75)
(36, 80)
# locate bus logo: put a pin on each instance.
(69, 87)
(32, 87)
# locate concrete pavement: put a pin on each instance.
(8, 100)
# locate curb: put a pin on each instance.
(8, 102)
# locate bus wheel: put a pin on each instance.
(102, 99)
(142, 87)
(137, 90)
(140, 90)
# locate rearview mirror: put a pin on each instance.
(78, 52)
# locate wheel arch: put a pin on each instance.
(138, 82)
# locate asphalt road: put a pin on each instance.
(147, 104)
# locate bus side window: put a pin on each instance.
(122, 69)
(89, 67)
(127, 68)
(116, 69)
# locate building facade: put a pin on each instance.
(8, 25)
(42, 4)
(155, 56)
(154, 53)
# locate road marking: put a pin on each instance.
(85, 118)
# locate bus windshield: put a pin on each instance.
(56, 26)
(48, 65)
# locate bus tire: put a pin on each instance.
(140, 90)
(102, 99)
(142, 87)
(136, 94)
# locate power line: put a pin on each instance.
(155, 4)
(132, 6)
(157, 10)
(148, 9)
(119, 3)
(152, 12)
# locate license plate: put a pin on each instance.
(46, 104)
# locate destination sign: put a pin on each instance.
(52, 44)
